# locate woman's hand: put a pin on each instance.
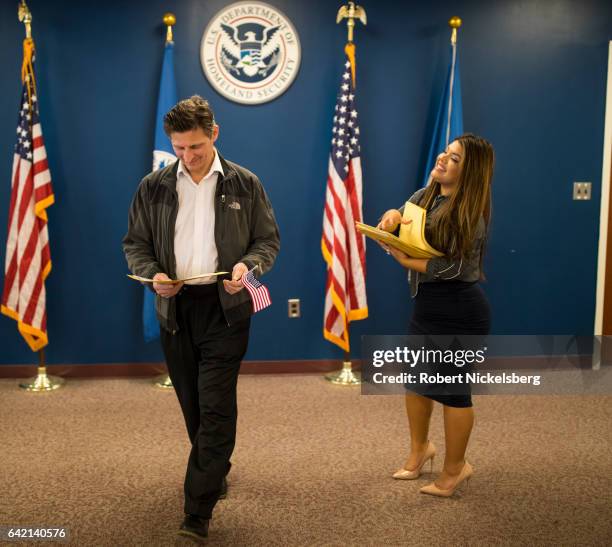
(388, 223)
(416, 264)
(390, 220)
(402, 258)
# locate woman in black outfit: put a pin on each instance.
(447, 297)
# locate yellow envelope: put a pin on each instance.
(411, 240)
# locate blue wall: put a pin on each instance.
(533, 76)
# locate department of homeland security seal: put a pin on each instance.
(250, 52)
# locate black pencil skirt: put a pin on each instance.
(450, 308)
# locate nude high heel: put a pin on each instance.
(466, 472)
(405, 474)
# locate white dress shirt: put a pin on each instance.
(194, 232)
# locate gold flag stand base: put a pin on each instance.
(345, 377)
(163, 382)
(42, 382)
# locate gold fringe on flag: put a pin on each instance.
(349, 49)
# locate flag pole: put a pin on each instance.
(454, 23)
(346, 376)
(163, 381)
(41, 382)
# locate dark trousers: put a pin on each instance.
(203, 359)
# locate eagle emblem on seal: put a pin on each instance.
(250, 51)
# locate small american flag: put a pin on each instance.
(28, 259)
(258, 291)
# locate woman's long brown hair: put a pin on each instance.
(454, 223)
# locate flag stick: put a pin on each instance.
(454, 23)
(169, 19)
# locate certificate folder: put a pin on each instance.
(411, 239)
(173, 281)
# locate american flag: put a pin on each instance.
(258, 291)
(342, 246)
(28, 258)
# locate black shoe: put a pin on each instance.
(194, 527)
(223, 493)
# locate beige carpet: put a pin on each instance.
(105, 458)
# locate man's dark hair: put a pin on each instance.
(189, 114)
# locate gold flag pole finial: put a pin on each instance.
(454, 23)
(25, 17)
(351, 12)
(169, 21)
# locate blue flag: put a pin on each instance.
(162, 156)
(449, 121)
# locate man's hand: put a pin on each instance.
(164, 290)
(235, 285)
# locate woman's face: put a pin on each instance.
(449, 164)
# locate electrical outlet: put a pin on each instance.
(294, 308)
(582, 191)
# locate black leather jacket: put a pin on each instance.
(245, 231)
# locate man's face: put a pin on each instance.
(195, 149)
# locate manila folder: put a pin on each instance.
(411, 240)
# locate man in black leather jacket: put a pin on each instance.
(202, 214)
